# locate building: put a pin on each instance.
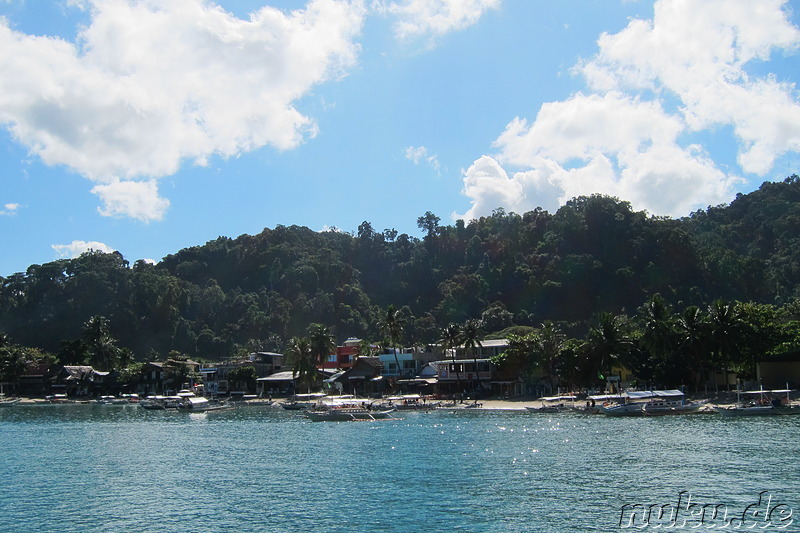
(216, 375)
(167, 377)
(363, 378)
(80, 381)
(778, 371)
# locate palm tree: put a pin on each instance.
(470, 333)
(693, 339)
(322, 342)
(365, 348)
(103, 352)
(451, 337)
(393, 324)
(301, 357)
(725, 324)
(13, 363)
(607, 341)
(548, 343)
(658, 334)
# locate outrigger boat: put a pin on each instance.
(345, 410)
(302, 401)
(198, 404)
(653, 403)
(408, 402)
(761, 403)
(8, 402)
(554, 404)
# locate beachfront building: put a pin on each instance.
(216, 375)
(79, 381)
(778, 371)
(166, 377)
(363, 378)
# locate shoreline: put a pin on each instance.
(721, 399)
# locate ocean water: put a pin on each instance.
(96, 468)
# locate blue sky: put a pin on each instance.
(146, 126)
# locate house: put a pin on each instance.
(79, 381)
(362, 378)
(778, 371)
(487, 349)
(284, 383)
(216, 375)
(34, 382)
(457, 376)
(166, 377)
(344, 356)
(411, 360)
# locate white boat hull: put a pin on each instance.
(346, 415)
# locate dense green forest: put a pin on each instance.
(594, 257)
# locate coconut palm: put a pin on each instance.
(393, 324)
(103, 352)
(658, 337)
(692, 331)
(451, 337)
(322, 342)
(547, 345)
(300, 355)
(470, 337)
(725, 326)
(607, 341)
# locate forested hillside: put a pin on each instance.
(593, 255)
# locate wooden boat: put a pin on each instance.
(9, 402)
(761, 403)
(408, 402)
(198, 404)
(346, 410)
(302, 401)
(653, 403)
(554, 404)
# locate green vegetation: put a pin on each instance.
(593, 283)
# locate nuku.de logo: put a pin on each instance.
(690, 513)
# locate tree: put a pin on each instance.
(243, 378)
(725, 328)
(470, 337)
(301, 357)
(13, 364)
(321, 342)
(693, 338)
(365, 348)
(607, 342)
(102, 350)
(393, 323)
(428, 223)
(658, 339)
(547, 345)
(451, 338)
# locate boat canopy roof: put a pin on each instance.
(606, 397)
(196, 400)
(640, 394)
(557, 398)
(310, 396)
(765, 391)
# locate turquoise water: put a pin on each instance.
(121, 468)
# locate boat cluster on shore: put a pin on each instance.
(321, 407)
(673, 402)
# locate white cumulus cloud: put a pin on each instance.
(625, 137)
(134, 199)
(151, 84)
(434, 18)
(76, 248)
(420, 154)
(10, 209)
